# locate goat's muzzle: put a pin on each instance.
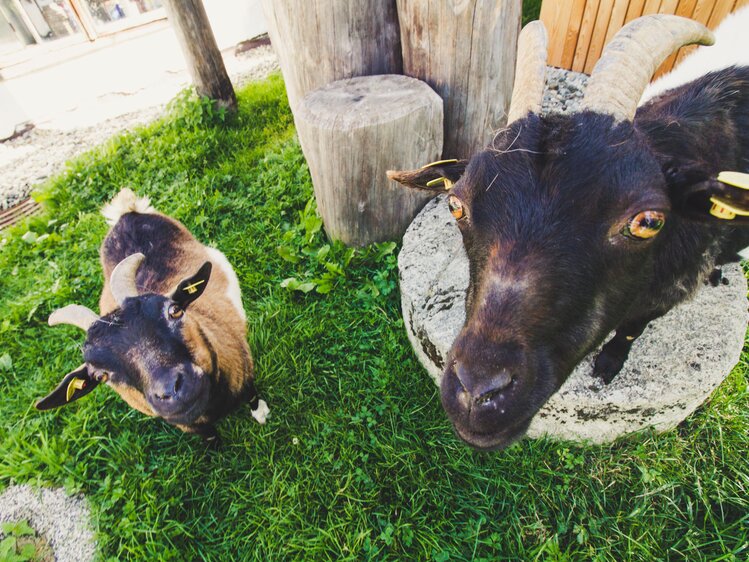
(179, 394)
(487, 392)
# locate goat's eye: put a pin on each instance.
(644, 225)
(456, 207)
(176, 311)
(101, 376)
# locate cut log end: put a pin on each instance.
(352, 132)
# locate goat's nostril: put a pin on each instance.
(492, 388)
(487, 397)
(178, 383)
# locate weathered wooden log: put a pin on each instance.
(198, 44)
(320, 41)
(465, 50)
(352, 131)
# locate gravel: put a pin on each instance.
(564, 90)
(63, 520)
(31, 158)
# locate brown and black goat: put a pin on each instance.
(168, 341)
(577, 225)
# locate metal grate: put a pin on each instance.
(11, 216)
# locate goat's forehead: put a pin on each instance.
(137, 324)
(518, 185)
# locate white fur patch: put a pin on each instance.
(261, 412)
(744, 254)
(233, 293)
(731, 48)
(125, 202)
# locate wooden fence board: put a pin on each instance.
(702, 11)
(686, 8)
(579, 29)
(618, 16)
(720, 11)
(573, 30)
(558, 13)
(651, 7)
(635, 10)
(583, 39)
(598, 36)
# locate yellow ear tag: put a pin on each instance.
(720, 212)
(448, 184)
(723, 210)
(736, 179)
(438, 162)
(73, 385)
(192, 289)
(720, 208)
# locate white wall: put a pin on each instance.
(234, 21)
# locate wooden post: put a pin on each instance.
(320, 41)
(465, 50)
(352, 131)
(198, 44)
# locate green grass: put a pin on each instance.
(357, 460)
(531, 10)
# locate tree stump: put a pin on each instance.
(465, 50)
(319, 41)
(352, 131)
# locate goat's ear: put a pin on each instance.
(191, 288)
(434, 177)
(724, 198)
(73, 386)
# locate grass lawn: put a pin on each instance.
(357, 460)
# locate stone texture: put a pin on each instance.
(673, 367)
(63, 520)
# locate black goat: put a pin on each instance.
(581, 224)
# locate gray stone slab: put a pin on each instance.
(672, 369)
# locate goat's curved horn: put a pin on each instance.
(530, 72)
(122, 281)
(631, 58)
(75, 315)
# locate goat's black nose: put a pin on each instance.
(167, 388)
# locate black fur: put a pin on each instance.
(552, 268)
(156, 237)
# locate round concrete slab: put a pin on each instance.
(673, 367)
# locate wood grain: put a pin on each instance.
(352, 131)
(570, 42)
(586, 32)
(591, 24)
(597, 40)
(465, 50)
(204, 61)
(320, 41)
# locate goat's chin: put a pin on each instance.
(191, 413)
(494, 441)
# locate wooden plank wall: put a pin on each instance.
(579, 29)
